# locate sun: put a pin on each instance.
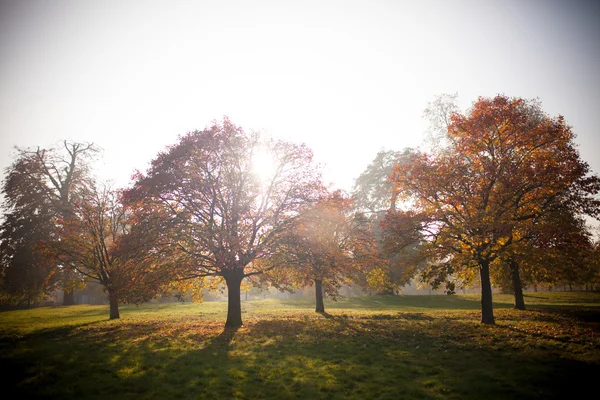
(264, 165)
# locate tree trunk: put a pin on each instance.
(114, 305)
(319, 295)
(517, 287)
(487, 309)
(233, 280)
(68, 298)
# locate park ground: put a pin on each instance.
(375, 347)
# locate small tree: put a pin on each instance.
(95, 242)
(329, 246)
(554, 247)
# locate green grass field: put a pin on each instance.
(396, 347)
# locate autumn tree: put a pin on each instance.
(213, 212)
(96, 243)
(509, 163)
(374, 196)
(329, 247)
(555, 247)
(51, 177)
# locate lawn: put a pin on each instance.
(377, 347)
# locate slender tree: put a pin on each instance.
(96, 243)
(554, 247)
(330, 246)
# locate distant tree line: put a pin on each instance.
(500, 199)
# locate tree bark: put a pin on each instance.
(114, 305)
(233, 280)
(487, 309)
(68, 298)
(517, 287)
(319, 296)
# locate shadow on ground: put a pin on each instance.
(408, 355)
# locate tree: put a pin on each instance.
(25, 275)
(213, 213)
(329, 246)
(552, 248)
(51, 180)
(96, 242)
(402, 243)
(438, 114)
(373, 191)
(507, 164)
(374, 196)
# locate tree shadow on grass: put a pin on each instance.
(383, 303)
(401, 355)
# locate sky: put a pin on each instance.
(348, 78)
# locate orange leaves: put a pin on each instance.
(327, 243)
(507, 164)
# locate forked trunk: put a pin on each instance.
(319, 296)
(234, 303)
(114, 305)
(517, 287)
(487, 309)
(68, 298)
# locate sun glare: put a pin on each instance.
(263, 165)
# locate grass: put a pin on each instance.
(379, 347)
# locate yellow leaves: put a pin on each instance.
(502, 241)
(379, 279)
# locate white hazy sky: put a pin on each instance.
(348, 78)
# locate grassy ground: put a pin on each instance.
(397, 347)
